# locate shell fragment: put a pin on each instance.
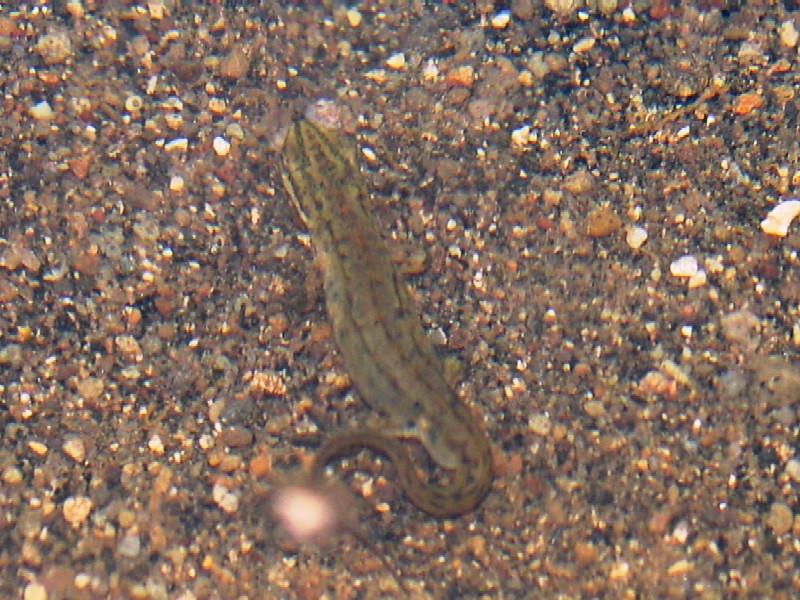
(780, 217)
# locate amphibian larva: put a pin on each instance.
(378, 331)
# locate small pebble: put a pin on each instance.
(788, 34)
(217, 106)
(11, 355)
(74, 448)
(17, 256)
(354, 17)
(680, 568)
(156, 9)
(35, 591)
(636, 237)
(133, 104)
(522, 136)
(586, 553)
(235, 131)
(780, 218)
(90, 389)
(75, 8)
(12, 476)
(221, 146)
(681, 532)
(155, 444)
(540, 424)
(38, 448)
(793, 469)
(602, 221)
(523, 9)
(685, 266)
(628, 15)
(562, 8)
(580, 182)
(594, 408)
(697, 280)
(236, 436)
(54, 48)
(619, 571)
(180, 144)
(741, 328)
(460, 76)
(584, 45)
(235, 65)
(129, 546)
(780, 518)
(41, 111)
(176, 184)
(227, 501)
(396, 61)
(732, 383)
(501, 19)
(76, 509)
(129, 347)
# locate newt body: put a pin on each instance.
(379, 332)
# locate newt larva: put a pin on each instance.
(379, 332)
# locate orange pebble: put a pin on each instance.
(463, 76)
(748, 102)
(260, 466)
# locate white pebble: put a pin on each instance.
(229, 503)
(780, 217)
(430, 70)
(501, 19)
(396, 61)
(35, 591)
(41, 111)
(522, 136)
(685, 266)
(636, 237)
(74, 448)
(176, 183)
(540, 424)
(76, 510)
(353, 17)
(681, 532)
(155, 444)
(788, 34)
(221, 146)
(793, 469)
(226, 500)
(698, 279)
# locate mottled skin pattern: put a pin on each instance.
(379, 332)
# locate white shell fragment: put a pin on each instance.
(685, 266)
(636, 236)
(780, 217)
(221, 146)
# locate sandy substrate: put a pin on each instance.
(580, 196)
